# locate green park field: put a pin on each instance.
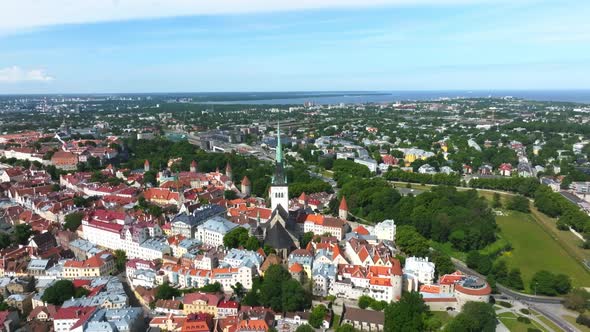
(534, 250)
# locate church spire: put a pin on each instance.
(279, 149)
(279, 177)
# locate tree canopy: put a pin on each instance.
(59, 292)
(475, 316)
(408, 314)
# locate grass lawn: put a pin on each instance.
(546, 321)
(448, 249)
(418, 186)
(572, 321)
(569, 241)
(534, 250)
(509, 319)
(328, 174)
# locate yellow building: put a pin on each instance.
(101, 264)
(201, 302)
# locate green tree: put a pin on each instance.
(411, 242)
(518, 203)
(166, 292)
(365, 301)
(515, 279)
(547, 283)
(22, 233)
(475, 316)
(59, 292)
(432, 324)
(294, 297)
(578, 299)
(211, 288)
(407, 314)
(304, 328)
(280, 292)
(236, 237)
(252, 243)
(73, 220)
(230, 194)
(317, 315)
(497, 202)
(306, 238)
(120, 259)
(5, 240)
(442, 262)
(238, 290)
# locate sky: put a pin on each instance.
(118, 46)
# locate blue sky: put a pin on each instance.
(259, 45)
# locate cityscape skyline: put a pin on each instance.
(295, 46)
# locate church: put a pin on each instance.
(280, 231)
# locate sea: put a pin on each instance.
(323, 98)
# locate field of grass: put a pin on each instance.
(509, 319)
(534, 250)
(570, 242)
(536, 241)
(572, 320)
(547, 321)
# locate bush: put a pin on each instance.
(583, 320)
(547, 283)
(524, 320)
(532, 329)
(504, 304)
(577, 300)
(365, 301)
(525, 311)
(518, 203)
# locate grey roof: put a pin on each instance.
(200, 215)
(278, 237)
(219, 225)
(38, 264)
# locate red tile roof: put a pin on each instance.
(343, 205)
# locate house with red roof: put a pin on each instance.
(253, 325)
(320, 224)
(454, 290)
(227, 308)
(43, 313)
(101, 264)
(72, 318)
(64, 160)
(505, 169)
(201, 303)
(162, 196)
(383, 283)
(170, 322)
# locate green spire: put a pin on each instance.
(279, 150)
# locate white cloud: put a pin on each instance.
(17, 74)
(17, 15)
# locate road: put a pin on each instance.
(532, 301)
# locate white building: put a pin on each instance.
(419, 270)
(385, 230)
(370, 163)
(213, 230)
(134, 240)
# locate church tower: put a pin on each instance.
(279, 190)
